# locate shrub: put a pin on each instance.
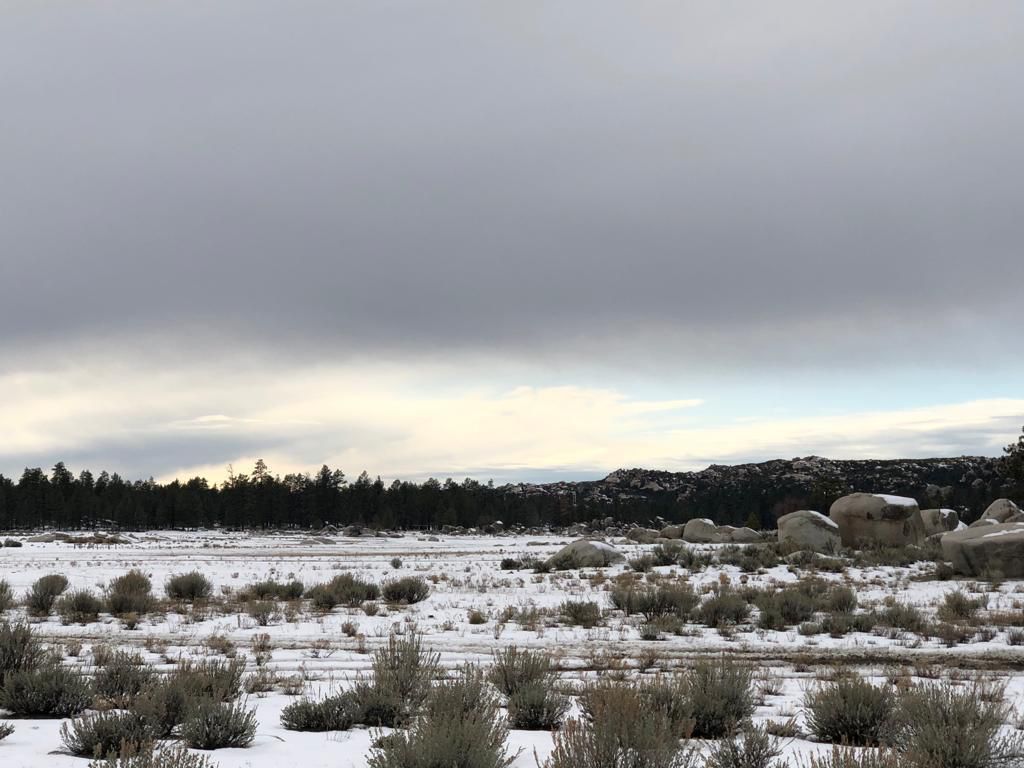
(945, 726)
(218, 725)
(581, 613)
(620, 730)
(536, 707)
(211, 679)
(130, 593)
(105, 734)
(163, 705)
(514, 669)
(50, 690)
(462, 726)
(396, 563)
(641, 563)
(188, 586)
(12, 543)
(44, 592)
(407, 590)
(122, 679)
(654, 602)
(720, 696)
(6, 596)
(840, 599)
(856, 758)
(750, 748)
(344, 589)
(902, 616)
(262, 611)
(850, 711)
(79, 607)
(6, 729)
(511, 564)
(334, 713)
(724, 607)
(19, 650)
(958, 606)
(272, 590)
(402, 674)
(666, 554)
(148, 756)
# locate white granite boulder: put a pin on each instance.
(877, 518)
(806, 529)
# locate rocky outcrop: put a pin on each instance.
(744, 536)
(701, 531)
(586, 553)
(643, 535)
(672, 532)
(995, 549)
(809, 530)
(1001, 511)
(874, 518)
(939, 521)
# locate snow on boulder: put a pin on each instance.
(806, 529)
(1001, 511)
(874, 518)
(585, 553)
(987, 550)
(939, 521)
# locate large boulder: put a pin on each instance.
(810, 530)
(996, 548)
(701, 531)
(1000, 511)
(643, 535)
(586, 553)
(672, 532)
(876, 518)
(939, 521)
(745, 536)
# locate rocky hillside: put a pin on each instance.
(731, 494)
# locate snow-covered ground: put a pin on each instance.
(465, 576)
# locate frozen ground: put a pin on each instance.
(329, 650)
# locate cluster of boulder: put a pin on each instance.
(993, 545)
(699, 531)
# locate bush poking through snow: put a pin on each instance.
(130, 593)
(948, 726)
(536, 707)
(461, 726)
(49, 690)
(620, 729)
(122, 678)
(79, 607)
(406, 591)
(402, 674)
(6, 596)
(856, 758)
(581, 613)
(105, 734)
(333, 713)
(44, 592)
(344, 589)
(6, 729)
(219, 725)
(850, 711)
(148, 756)
(750, 748)
(189, 587)
(19, 650)
(720, 696)
(514, 668)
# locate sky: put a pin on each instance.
(523, 241)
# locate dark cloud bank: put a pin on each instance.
(793, 177)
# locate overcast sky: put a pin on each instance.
(520, 240)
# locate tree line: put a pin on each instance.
(265, 500)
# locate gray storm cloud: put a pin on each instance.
(392, 175)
